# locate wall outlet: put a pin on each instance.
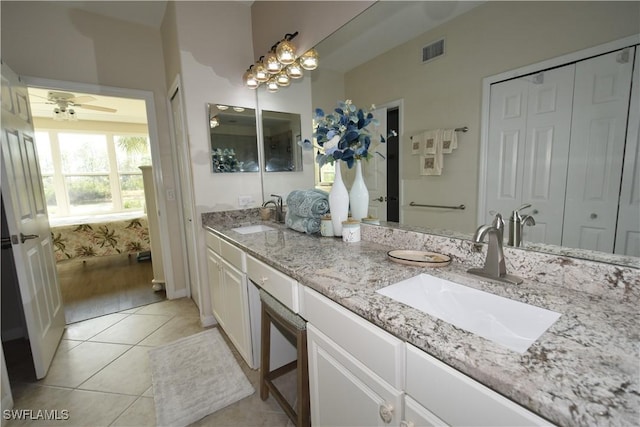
(245, 201)
(171, 194)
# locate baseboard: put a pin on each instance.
(172, 294)
(207, 321)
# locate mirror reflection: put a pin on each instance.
(447, 92)
(281, 133)
(233, 138)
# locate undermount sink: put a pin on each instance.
(510, 323)
(249, 229)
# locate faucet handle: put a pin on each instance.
(277, 197)
(525, 206)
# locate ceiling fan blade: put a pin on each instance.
(81, 99)
(97, 108)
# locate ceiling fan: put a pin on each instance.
(65, 103)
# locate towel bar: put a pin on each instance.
(462, 129)
(461, 207)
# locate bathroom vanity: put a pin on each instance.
(376, 361)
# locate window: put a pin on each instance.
(87, 173)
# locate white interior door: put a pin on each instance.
(546, 153)
(628, 229)
(530, 123)
(601, 103)
(28, 225)
(184, 171)
(374, 171)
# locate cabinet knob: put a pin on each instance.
(405, 423)
(386, 412)
(593, 216)
(264, 280)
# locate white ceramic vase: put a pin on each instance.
(359, 195)
(338, 201)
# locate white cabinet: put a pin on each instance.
(362, 375)
(442, 391)
(356, 369)
(343, 391)
(229, 294)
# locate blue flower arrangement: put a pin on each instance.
(343, 135)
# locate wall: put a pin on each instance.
(314, 20)
(52, 40)
(447, 92)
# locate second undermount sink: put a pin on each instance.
(510, 323)
(249, 229)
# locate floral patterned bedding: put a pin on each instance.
(101, 239)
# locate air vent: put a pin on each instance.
(433, 51)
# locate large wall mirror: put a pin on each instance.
(447, 92)
(281, 133)
(233, 139)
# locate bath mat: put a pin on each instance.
(194, 377)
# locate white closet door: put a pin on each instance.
(547, 152)
(628, 230)
(528, 149)
(507, 136)
(601, 102)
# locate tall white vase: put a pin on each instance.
(338, 201)
(359, 195)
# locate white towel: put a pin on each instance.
(449, 140)
(430, 165)
(417, 142)
(433, 141)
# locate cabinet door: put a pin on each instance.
(236, 310)
(416, 415)
(343, 391)
(215, 286)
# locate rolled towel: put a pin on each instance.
(308, 203)
(302, 224)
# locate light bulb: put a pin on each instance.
(272, 85)
(260, 71)
(295, 70)
(249, 79)
(283, 79)
(309, 60)
(271, 62)
(286, 52)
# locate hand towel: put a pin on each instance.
(308, 203)
(449, 140)
(417, 142)
(433, 141)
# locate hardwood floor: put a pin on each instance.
(105, 285)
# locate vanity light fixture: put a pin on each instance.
(222, 107)
(280, 65)
(238, 109)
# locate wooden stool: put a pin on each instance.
(273, 312)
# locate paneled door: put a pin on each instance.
(528, 150)
(28, 225)
(598, 133)
(628, 229)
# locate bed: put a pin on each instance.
(97, 239)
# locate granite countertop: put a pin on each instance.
(584, 370)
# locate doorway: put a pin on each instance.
(91, 149)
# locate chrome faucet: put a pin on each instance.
(494, 264)
(278, 205)
(516, 225)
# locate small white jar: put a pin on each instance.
(326, 226)
(350, 231)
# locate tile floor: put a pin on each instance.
(101, 374)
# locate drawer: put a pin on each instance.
(234, 255)
(377, 349)
(444, 391)
(212, 241)
(279, 285)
